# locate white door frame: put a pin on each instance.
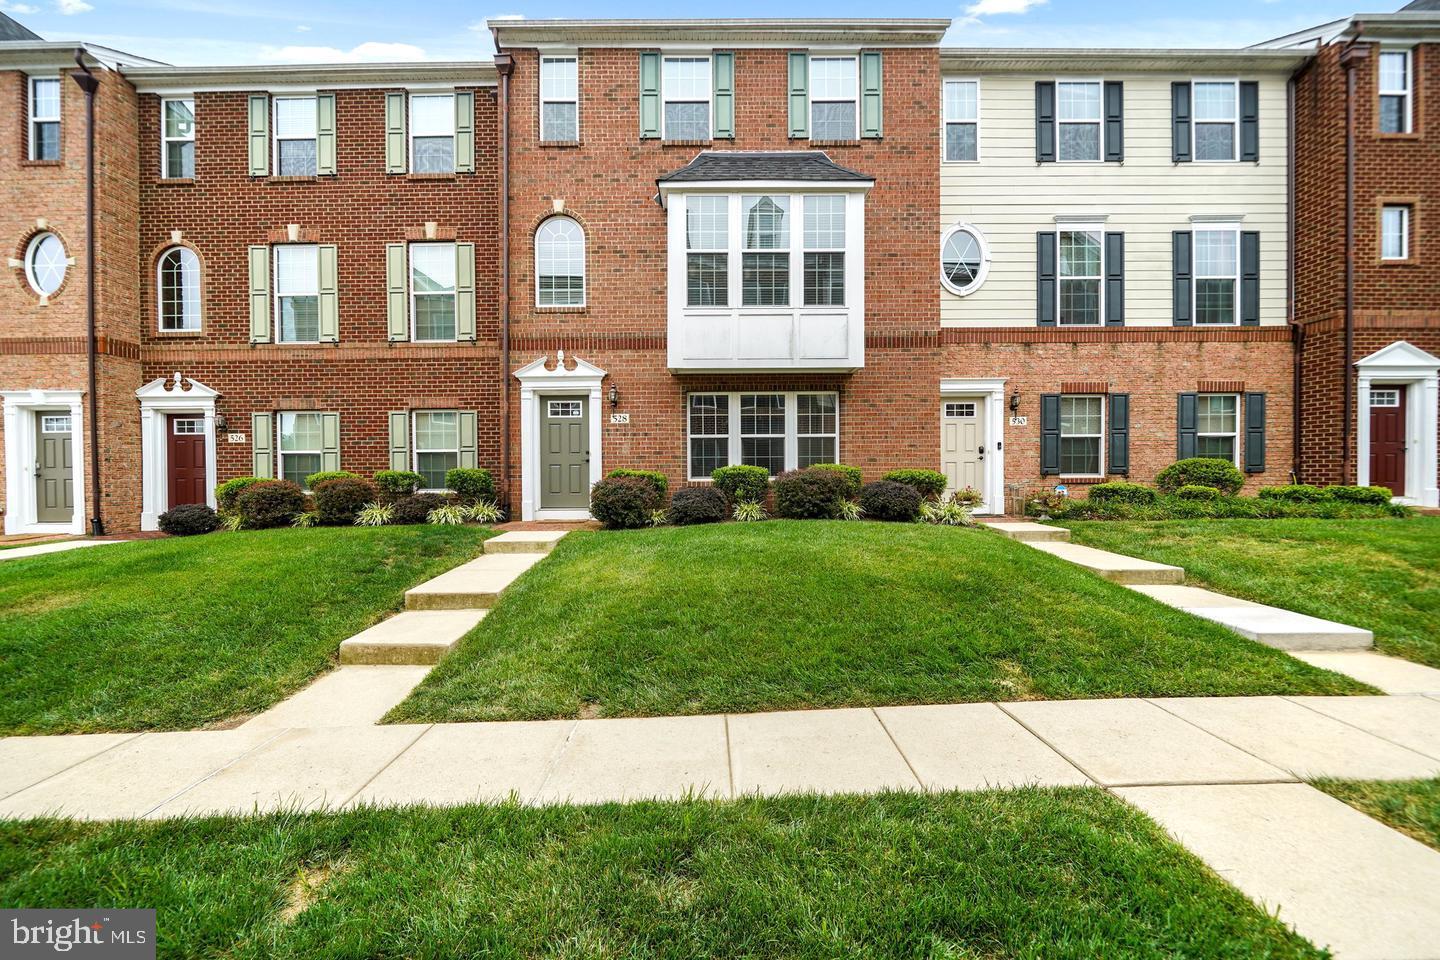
(991, 391)
(160, 399)
(1403, 363)
(21, 508)
(537, 380)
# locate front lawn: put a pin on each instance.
(178, 633)
(1410, 806)
(1383, 575)
(787, 614)
(1030, 873)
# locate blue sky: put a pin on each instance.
(270, 31)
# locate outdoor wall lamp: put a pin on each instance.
(614, 396)
(1015, 401)
(221, 423)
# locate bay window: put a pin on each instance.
(707, 257)
(765, 257)
(776, 430)
(825, 251)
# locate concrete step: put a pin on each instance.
(1272, 626)
(413, 637)
(476, 585)
(1113, 566)
(524, 541)
(352, 696)
(1028, 532)
(1391, 674)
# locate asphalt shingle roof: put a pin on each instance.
(10, 29)
(778, 165)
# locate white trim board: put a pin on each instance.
(992, 391)
(20, 506)
(538, 380)
(159, 399)
(1403, 363)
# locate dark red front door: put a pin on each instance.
(1387, 438)
(187, 460)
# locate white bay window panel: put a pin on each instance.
(777, 430)
(707, 257)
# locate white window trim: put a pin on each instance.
(855, 99)
(1104, 421)
(584, 264)
(1098, 123)
(158, 400)
(842, 250)
(276, 296)
(1408, 91)
(665, 98)
(160, 294)
(275, 137)
(1099, 230)
(281, 454)
(1404, 210)
(1235, 124)
(410, 285)
(984, 271)
(1234, 435)
(166, 140)
(575, 58)
(415, 450)
(21, 445)
(29, 265)
(1195, 275)
(945, 121)
(410, 126)
(33, 119)
(724, 249)
(734, 453)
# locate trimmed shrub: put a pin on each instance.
(270, 503)
(624, 503)
(854, 480)
(809, 494)
(1196, 491)
(890, 500)
(657, 479)
(1295, 493)
(1379, 496)
(1176, 507)
(1203, 472)
(930, 484)
(315, 479)
(188, 519)
(1121, 491)
(416, 508)
(398, 484)
(743, 484)
(692, 505)
(339, 499)
(471, 484)
(227, 492)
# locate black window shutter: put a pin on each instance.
(1120, 433)
(1254, 433)
(1045, 121)
(1186, 417)
(1045, 274)
(1049, 433)
(1115, 280)
(1249, 279)
(1249, 120)
(1114, 121)
(1182, 244)
(1180, 122)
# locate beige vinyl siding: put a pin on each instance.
(1010, 197)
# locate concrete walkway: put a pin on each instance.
(39, 550)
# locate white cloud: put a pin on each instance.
(371, 51)
(69, 8)
(21, 8)
(302, 28)
(986, 8)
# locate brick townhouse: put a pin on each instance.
(681, 244)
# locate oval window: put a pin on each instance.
(45, 264)
(964, 259)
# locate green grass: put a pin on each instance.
(1030, 873)
(1410, 806)
(183, 632)
(1383, 575)
(746, 617)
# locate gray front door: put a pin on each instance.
(54, 473)
(564, 453)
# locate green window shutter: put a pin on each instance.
(1254, 433)
(1186, 423)
(262, 445)
(325, 134)
(1119, 429)
(259, 127)
(1114, 121)
(465, 132)
(329, 293)
(1249, 279)
(397, 300)
(1046, 272)
(1249, 121)
(1180, 122)
(1045, 121)
(1115, 280)
(399, 440)
(722, 97)
(799, 87)
(649, 95)
(464, 291)
(260, 294)
(1183, 254)
(395, 133)
(329, 441)
(467, 439)
(1049, 433)
(871, 106)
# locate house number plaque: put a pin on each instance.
(621, 418)
(235, 437)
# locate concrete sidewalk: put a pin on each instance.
(39, 550)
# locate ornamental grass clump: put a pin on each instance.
(946, 513)
(374, 515)
(450, 515)
(749, 511)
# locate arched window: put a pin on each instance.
(179, 289)
(45, 263)
(964, 259)
(560, 263)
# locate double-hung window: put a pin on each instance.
(685, 89)
(1396, 91)
(707, 251)
(834, 98)
(1217, 275)
(709, 419)
(1078, 117)
(1217, 115)
(1395, 232)
(765, 251)
(44, 118)
(559, 99)
(432, 133)
(1080, 280)
(762, 431)
(1217, 425)
(301, 446)
(432, 291)
(296, 152)
(297, 293)
(177, 133)
(777, 431)
(816, 428)
(824, 251)
(1081, 435)
(962, 121)
(437, 446)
